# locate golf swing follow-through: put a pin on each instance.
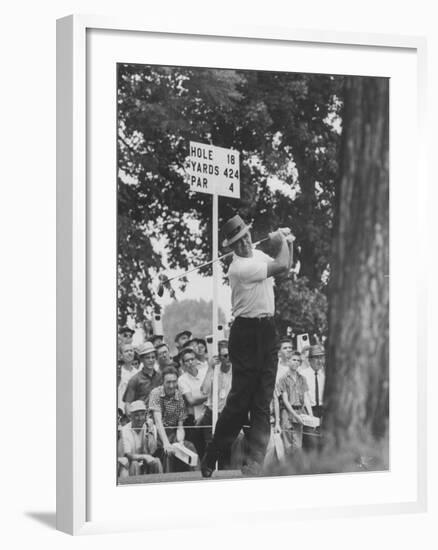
(165, 281)
(252, 345)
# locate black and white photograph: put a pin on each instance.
(253, 273)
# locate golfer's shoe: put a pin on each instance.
(206, 470)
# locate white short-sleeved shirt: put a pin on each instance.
(252, 291)
(309, 375)
(192, 384)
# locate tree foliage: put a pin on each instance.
(286, 127)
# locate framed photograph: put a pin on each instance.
(239, 320)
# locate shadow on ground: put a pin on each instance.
(46, 518)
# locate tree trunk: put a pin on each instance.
(357, 390)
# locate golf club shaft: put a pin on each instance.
(210, 262)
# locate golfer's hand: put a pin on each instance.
(276, 236)
(277, 428)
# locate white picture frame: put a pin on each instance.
(75, 217)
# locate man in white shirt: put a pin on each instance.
(315, 377)
(224, 385)
(252, 345)
(189, 385)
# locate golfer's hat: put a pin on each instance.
(316, 350)
(147, 347)
(137, 406)
(182, 333)
(233, 230)
(126, 329)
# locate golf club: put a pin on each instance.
(164, 281)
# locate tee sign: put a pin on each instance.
(212, 169)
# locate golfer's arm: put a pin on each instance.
(158, 419)
(281, 262)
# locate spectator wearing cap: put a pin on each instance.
(189, 385)
(125, 335)
(180, 340)
(295, 401)
(315, 378)
(127, 371)
(138, 443)
(156, 340)
(167, 406)
(140, 385)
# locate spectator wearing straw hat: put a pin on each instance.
(138, 443)
(140, 385)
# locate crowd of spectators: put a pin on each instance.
(165, 403)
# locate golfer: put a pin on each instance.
(252, 345)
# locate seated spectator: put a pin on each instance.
(167, 407)
(127, 371)
(189, 385)
(163, 357)
(224, 386)
(180, 340)
(140, 385)
(138, 442)
(295, 400)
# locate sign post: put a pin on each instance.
(216, 171)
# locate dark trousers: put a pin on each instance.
(312, 439)
(253, 352)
